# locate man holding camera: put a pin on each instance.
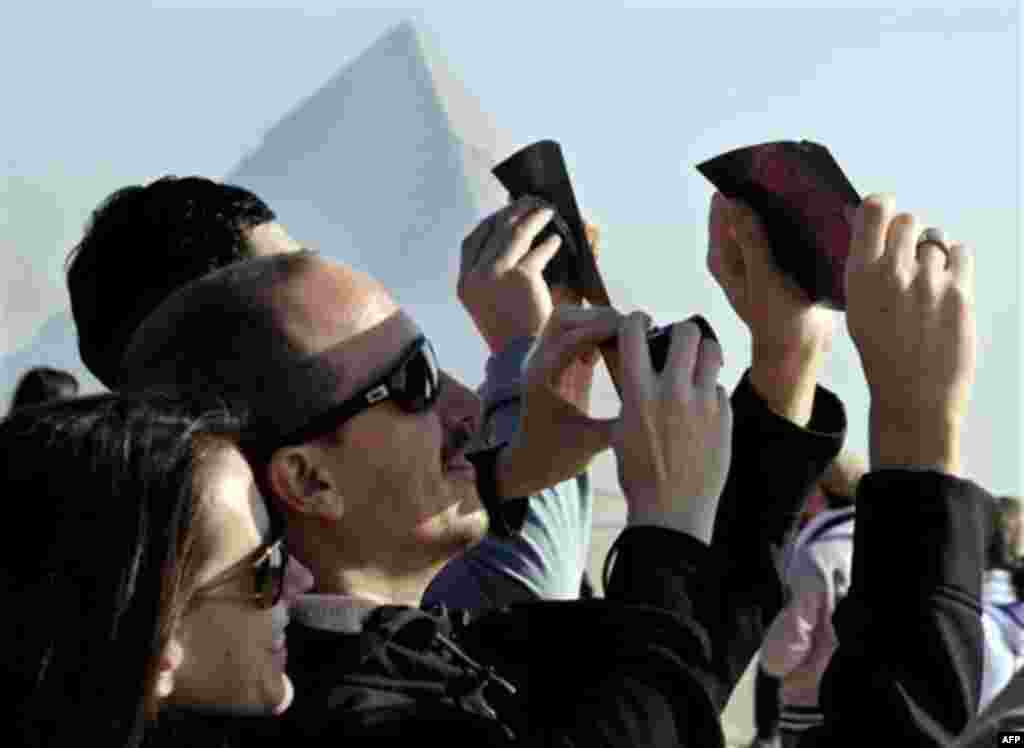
(198, 225)
(366, 450)
(293, 338)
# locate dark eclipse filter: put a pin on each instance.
(539, 170)
(804, 201)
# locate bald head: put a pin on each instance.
(266, 334)
(328, 303)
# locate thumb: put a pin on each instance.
(579, 341)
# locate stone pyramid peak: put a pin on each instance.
(387, 167)
(468, 120)
(407, 53)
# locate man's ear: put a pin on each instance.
(170, 660)
(298, 480)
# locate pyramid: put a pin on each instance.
(31, 333)
(55, 345)
(387, 168)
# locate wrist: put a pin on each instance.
(516, 474)
(522, 470)
(697, 519)
(506, 481)
(787, 379)
(905, 440)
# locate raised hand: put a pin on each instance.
(501, 282)
(790, 335)
(673, 440)
(910, 312)
(557, 439)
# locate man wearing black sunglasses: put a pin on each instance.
(379, 499)
(199, 236)
(380, 496)
(339, 381)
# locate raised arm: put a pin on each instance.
(634, 669)
(502, 288)
(787, 429)
(908, 668)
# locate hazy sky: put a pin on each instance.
(921, 102)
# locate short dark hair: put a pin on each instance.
(43, 384)
(141, 243)
(108, 557)
(219, 335)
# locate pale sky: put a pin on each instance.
(921, 102)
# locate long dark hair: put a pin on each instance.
(102, 518)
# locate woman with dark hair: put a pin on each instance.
(1002, 600)
(43, 384)
(150, 588)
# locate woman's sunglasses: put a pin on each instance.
(413, 382)
(266, 567)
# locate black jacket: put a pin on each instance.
(1004, 714)
(908, 668)
(651, 664)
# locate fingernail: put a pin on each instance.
(706, 331)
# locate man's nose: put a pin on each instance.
(297, 580)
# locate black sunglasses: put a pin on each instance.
(414, 383)
(268, 565)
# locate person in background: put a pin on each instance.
(1002, 600)
(43, 384)
(766, 687)
(150, 590)
(816, 571)
(144, 241)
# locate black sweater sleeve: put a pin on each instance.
(658, 686)
(654, 663)
(908, 668)
(774, 465)
(632, 669)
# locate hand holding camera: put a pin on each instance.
(673, 440)
(557, 439)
